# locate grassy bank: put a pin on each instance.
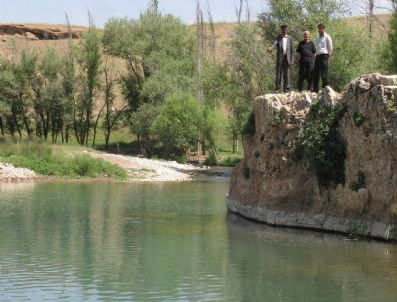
(56, 161)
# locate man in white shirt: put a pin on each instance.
(324, 49)
(285, 56)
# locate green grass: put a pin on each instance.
(42, 159)
(230, 161)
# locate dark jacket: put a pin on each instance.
(290, 49)
(306, 51)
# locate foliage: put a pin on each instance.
(213, 127)
(158, 51)
(181, 159)
(358, 118)
(249, 126)
(143, 118)
(178, 123)
(360, 182)
(354, 54)
(390, 51)
(89, 63)
(211, 160)
(230, 161)
(112, 114)
(321, 144)
(299, 15)
(391, 106)
(41, 159)
(249, 76)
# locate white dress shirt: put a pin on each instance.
(324, 45)
(284, 44)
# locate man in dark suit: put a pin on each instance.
(305, 56)
(285, 56)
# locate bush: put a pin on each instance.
(178, 123)
(249, 127)
(321, 144)
(181, 159)
(40, 159)
(211, 160)
(360, 182)
(230, 161)
(358, 118)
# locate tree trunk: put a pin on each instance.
(26, 123)
(14, 117)
(1, 126)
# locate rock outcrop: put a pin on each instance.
(324, 161)
(10, 173)
(40, 32)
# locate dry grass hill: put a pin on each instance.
(16, 37)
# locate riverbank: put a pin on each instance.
(137, 169)
(149, 170)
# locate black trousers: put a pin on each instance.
(305, 72)
(320, 68)
(282, 72)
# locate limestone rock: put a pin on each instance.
(270, 179)
(31, 36)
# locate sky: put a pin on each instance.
(53, 11)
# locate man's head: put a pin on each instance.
(321, 29)
(306, 35)
(284, 29)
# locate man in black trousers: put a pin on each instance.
(285, 57)
(305, 56)
(324, 49)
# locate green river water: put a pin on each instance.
(165, 242)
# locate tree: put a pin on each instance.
(390, 51)
(178, 123)
(141, 124)
(155, 45)
(89, 62)
(300, 15)
(112, 114)
(251, 74)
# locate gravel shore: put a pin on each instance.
(10, 173)
(143, 169)
(138, 169)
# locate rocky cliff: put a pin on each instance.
(40, 32)
(324, 161)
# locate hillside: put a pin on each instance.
(16, 37)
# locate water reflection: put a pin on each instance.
(145, 242)
(296, 265)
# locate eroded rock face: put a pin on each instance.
(273, 186)
(32, 32)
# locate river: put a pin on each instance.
(119, 241)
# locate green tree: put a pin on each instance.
(141, 124)
(390, 50)
(155, 45)
(14, 98)
(251, 74)
(89, 62)
(178, 123)
(112, 114)
(300, 15)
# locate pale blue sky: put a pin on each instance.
(52, 11)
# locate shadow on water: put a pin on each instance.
(300, 265)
